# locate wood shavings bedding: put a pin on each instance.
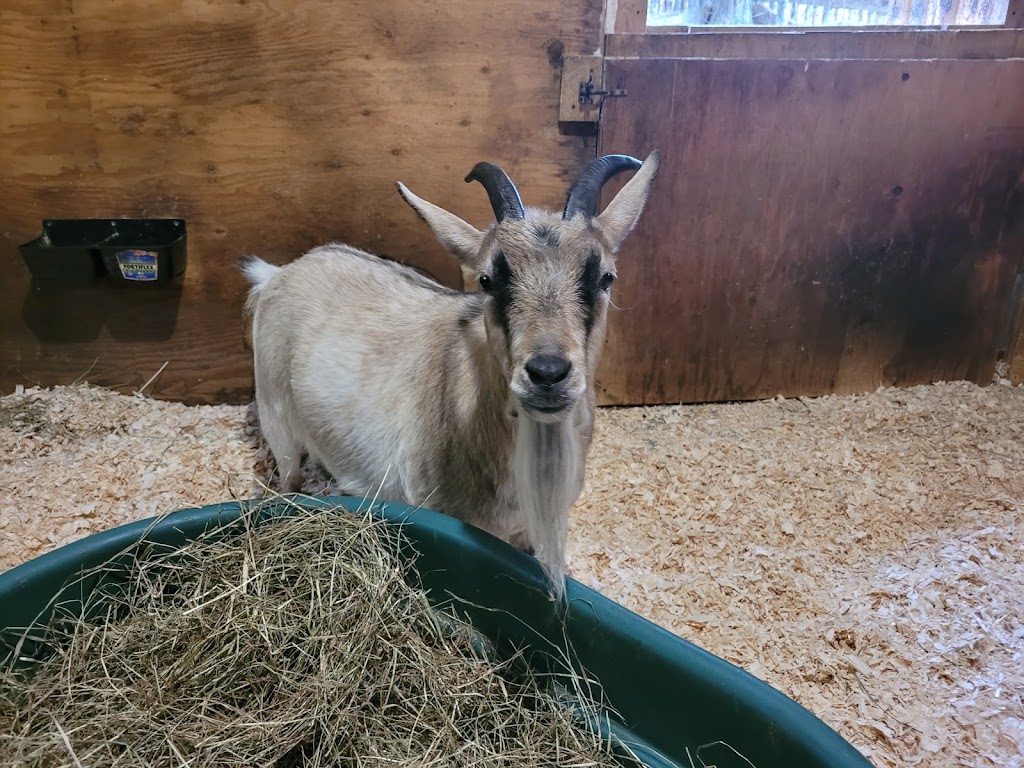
(865, 555)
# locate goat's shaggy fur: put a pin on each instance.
(477, 404)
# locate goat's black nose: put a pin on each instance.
(547, 369)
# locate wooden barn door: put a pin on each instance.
(819, 225)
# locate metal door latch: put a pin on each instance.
(587, 94)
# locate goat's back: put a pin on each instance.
(337, 302)
(349, 352)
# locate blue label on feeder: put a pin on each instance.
(137, 265)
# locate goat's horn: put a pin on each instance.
(585, 190)
(502, 192)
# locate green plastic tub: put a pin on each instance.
(679, 705)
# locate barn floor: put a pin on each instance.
(864, 554)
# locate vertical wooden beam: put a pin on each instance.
(631, 16)
(1015, 348)
(1016, 359)
(1015, 15)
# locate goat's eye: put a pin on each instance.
(606, 281)
(485, 282)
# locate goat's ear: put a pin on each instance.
(622, 213)
(460, 239)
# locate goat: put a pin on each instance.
(479, 404)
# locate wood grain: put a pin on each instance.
(631, 16)
(576, 70)
(1015, 15)
(817, 226)
(1016, 373)
(815, 44)
(270, 126)
(1015, 335)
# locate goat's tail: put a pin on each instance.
(258, 272)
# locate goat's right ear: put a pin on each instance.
(460, 239)
(620, 215)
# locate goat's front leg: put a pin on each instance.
(521, 542)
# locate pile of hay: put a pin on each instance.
(301, 642)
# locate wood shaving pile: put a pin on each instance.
(865, 555)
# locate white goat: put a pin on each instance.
(476, 404)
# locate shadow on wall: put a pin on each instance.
(71, 313)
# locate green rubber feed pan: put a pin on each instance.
(676, 704)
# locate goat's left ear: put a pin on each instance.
(459, 238)
(619, 217)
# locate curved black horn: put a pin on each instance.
(585, 190)
(502, 192)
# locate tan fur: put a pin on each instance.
(390, 380)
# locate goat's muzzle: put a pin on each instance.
(548, 393)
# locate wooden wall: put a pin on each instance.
(270, 126)
(819, 225)
(275, 125)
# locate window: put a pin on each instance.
(825, 13)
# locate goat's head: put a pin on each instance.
(547, 276)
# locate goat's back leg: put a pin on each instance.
(285, 447)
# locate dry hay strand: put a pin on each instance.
(303, 641)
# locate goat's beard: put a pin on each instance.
(540, 417)
(548, 474)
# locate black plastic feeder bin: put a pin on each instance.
(129, 251)
(678, 705)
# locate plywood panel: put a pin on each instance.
(818, 226)
(270, 126)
